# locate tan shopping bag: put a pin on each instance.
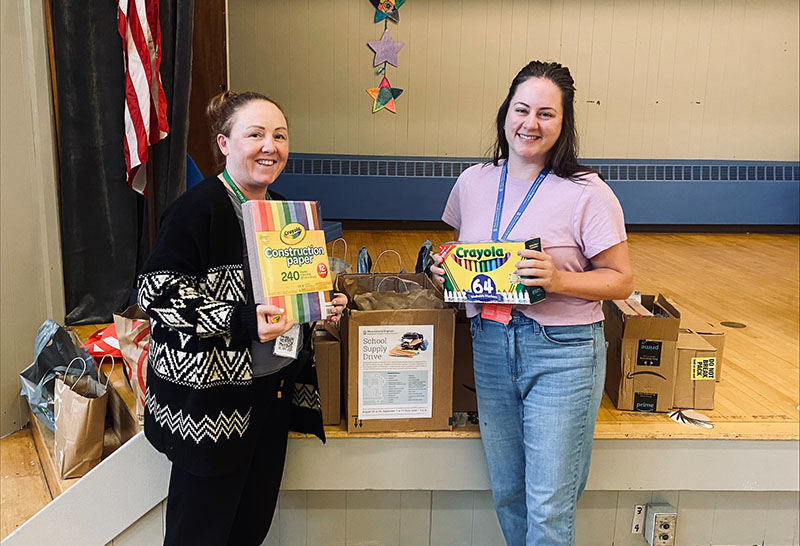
(133, 332)
(80, 415)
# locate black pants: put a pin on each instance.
(236, 509)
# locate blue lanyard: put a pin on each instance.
(501, 191)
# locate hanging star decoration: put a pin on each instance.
(387, 8)
(384, 96)
(385, 49)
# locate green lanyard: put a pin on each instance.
(236, 191)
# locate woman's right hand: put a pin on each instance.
(438, 272)
(269, 330)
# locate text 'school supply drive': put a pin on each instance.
(397, 363)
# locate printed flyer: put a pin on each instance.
(395, 372)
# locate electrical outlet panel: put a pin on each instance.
(661, 521)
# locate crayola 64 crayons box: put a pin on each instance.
(485, 272)
(288, 259)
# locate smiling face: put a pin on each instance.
(257, 148)
(533, 122)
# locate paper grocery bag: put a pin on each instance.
(80, 416)
(133, 332)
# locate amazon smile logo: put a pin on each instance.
(631, 375)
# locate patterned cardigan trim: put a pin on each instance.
(207, 427)
(190, 306)
(306, 396)
(200, 306)
(201, 370)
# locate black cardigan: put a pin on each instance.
(199, 377)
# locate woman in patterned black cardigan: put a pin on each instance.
(219, 403)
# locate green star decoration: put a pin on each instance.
(387, 8)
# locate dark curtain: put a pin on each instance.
(169, 155)
(104, 223)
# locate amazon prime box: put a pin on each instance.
(642, 337)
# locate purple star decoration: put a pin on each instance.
(385, 49)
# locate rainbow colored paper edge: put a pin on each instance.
(273, 217)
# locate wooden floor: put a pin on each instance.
(747, 278)
(28, 473)
(750, 279)
(23, 490)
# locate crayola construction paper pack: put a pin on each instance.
(291, 270)
(485, 273)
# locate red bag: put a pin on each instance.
(104, 343)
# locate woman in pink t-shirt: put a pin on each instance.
(540, 369)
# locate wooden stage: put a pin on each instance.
(750, 279)
(746, 278)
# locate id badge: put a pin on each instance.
(288, 344)
(498, 312)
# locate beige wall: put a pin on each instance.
(30, 254)
(678, 79)
(418, 518)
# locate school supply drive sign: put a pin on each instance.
(395, 372)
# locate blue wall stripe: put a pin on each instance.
(651, 191)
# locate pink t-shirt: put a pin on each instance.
(575, 220)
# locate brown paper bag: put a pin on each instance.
(133, 332)
(80, 414)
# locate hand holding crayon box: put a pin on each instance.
(485, 272)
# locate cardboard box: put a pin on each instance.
(327, 354)
(695, 374)
(397, 362)
(640, 373)
(464, 397)
(710, 333)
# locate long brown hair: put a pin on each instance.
(563, 157)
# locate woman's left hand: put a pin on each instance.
(436, 269)
(540, 268)
(339, 302)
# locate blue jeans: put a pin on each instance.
(539, 390)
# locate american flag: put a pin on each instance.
(145, 103)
